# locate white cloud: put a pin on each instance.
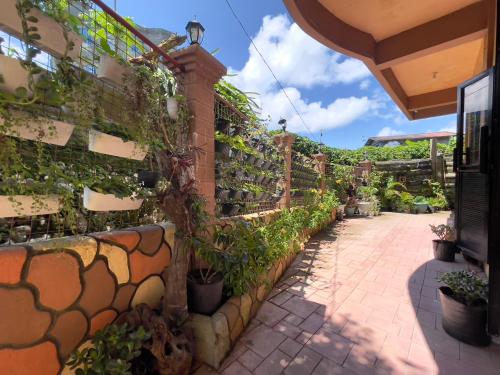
(300, 62)
(386, 131)
(450, 127)
(364, 84)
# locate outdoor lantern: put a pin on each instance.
(282, 122)
(195, 31)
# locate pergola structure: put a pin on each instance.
(418, 50)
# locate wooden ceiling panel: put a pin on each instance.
(385, 18)
(441, 70)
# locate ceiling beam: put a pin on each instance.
(433, 99)
(435, 111)
(464, 25)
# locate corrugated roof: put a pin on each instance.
(401, 137)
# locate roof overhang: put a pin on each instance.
(419, 51)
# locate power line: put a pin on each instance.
(269, 67)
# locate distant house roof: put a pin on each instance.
(407, 137)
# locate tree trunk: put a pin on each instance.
(175, 307)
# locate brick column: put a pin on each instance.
(284, 142)
(321, 169)
(202, 71)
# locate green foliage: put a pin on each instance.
(467, 287)
(241, 100)
(442, 231)
(114, 349)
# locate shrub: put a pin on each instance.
(467, 287)
(442, 231)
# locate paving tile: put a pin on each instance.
(287, 329)
(250, 359)
(300, 306)
(281, 298)
(330, 345)
(312, 323)
(290, 347)
(304, 363)
(270, 314)
(236, 368)
(263, 340)
(274, 364)
(294, 319)
(327, 367)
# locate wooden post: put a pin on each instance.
(433, 156)
(284, 142)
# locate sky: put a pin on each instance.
(337, 96)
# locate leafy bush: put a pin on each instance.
(467, 287)
(115, 347)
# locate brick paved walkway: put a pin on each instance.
(362, 299)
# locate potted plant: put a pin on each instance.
(205, 285)
(464, 303)
(148, 179)
(112, 69)
(222, 125)
(230, 209)
(350, 206)
(444, 249)
(421, 205)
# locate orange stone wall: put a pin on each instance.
(55, 294)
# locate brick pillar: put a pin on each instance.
(202, 71)
(284, 142)
(321, 169)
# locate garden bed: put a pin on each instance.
(217, 334)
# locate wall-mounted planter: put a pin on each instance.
(111, 70)
(230, 209)
(259, 179)
(266, 165)
(222, 125)
(27, 205)
(14, 75)
(250, 159)
(95, 201)
(222, 148)
(51, 32)
(173, 108)
(260, 196)
(42, 130)
(110, 145)
(235, 194)
(222, 194)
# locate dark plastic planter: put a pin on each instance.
(260, 196)
(222, 194)
(230, 209)
(259, 179)
(249, 159)
(223, 125)
(237, 130)
(259, 163)
(465, 323)
(266, 165)
(148, 178)
(444, 250)
(222, 148)
(204, 298)
(235, 194)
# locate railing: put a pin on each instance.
(248, 165)
(105, 37)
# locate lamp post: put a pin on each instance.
(195, 30)
(282, 122)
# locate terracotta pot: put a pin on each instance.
(111, 145)
(204, 298)
(463, 322)
(444, 250)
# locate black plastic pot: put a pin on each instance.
(223, 125)
(230, 209)
(235, 194)
(259, 163)
(222, 194)
(148, 178)
(204, 298)
(444, 250)
(463, 322)
(259, 179)
(222, 148)
(266, 165)
(250, 159)
(237, 130)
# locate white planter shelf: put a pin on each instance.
(95, 201)
(51, 32)
(115, 146)
(13, 73)
(27, 205)
(42, 130)
(111, 70)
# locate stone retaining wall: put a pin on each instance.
(55, 294)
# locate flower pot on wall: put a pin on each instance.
(27, 205)
(463, 322)
(222, 194)
(222, 125)
(235, 194)
(111, 145)
(444, 250)
(14, 75)
(43, 129)
(230, 209)
(204, 298)
(173, 108)
(111, 70)
(51, 32)
(94, 201)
